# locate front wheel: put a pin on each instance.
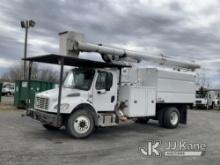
(171, 117)
(80, 124)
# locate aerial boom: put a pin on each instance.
(72, 43)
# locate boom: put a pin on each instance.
(72, 43)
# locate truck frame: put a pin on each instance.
(101, 94)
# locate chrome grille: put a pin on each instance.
(42, 103)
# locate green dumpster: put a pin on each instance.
(0, 92)
(21, 91)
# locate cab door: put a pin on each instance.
(105, 91)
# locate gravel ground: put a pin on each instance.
(24, 141)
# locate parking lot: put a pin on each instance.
(25, 141)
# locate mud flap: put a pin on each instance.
(183, 116)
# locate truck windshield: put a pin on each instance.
(199, 96)
(79, 79)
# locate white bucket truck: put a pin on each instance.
(207, 99)
(101, 94)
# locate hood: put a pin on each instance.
(66, 92)
(200, 99)
(4, 89)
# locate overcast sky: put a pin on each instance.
(188, 29)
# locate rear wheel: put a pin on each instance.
(171, 117)
(80, 124)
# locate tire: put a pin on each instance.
(50, 127)
(171, 117)
(142, 120)
(80, 124)
(8, 94)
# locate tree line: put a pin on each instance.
(40, 73)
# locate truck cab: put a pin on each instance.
(89, 96)
(96, 88)
(8, 89)
(206, 99)
(201, 100)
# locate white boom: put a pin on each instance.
(72, 43)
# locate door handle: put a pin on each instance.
(112, 99)
(101, 91)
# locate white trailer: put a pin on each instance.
(97, 94)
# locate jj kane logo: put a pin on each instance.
(155, 148)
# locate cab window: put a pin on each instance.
(104, 80)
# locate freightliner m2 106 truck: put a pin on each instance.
(101, 94)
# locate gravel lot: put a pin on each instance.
(23, 141)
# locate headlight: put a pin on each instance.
(63, 106)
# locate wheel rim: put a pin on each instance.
(173, 118)
(81, 124)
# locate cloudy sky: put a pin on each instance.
(187, 29)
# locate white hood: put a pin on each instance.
(66, 92)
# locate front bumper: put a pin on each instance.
(45, 118)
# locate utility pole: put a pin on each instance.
(26, 25)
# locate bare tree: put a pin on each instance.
(38, 73)
(47, 74)
(202, 81)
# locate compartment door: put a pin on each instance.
(138, 102)
(151, 101)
